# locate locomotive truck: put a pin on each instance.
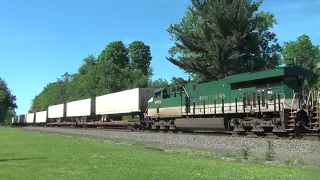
(272, 100)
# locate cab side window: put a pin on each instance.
(194, 88)
(157, 94)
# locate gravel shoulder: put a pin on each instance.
(284, 150)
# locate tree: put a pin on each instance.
(161, 83)
(220, 38)
(116, 53)
(140, 56)
(84, 83)
(7, 101)
(135, 78)
(88, 63)
(120, 68)
(54, 93)
(139, 70)
(111, 78)
(62, 87)
(11, 113)
(110, 68)
(306, 54)
(178, 81)
(158, 83)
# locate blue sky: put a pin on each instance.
(42, 39)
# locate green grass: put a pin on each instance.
(29, 155)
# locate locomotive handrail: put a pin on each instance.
(293, 99)
(317, 106)
(146, 111)
(308, 99)
(283, 104)
(186, 91)
(208, 105)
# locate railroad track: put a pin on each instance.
(312, 137)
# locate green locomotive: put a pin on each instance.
(259, 102)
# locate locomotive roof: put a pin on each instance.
(276, 72)
(249, 76)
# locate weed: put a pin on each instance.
(295, 161)
(213, 153)
(270, 154)
(140, 144)
(245, 151)
(289, 161)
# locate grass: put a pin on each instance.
(29, 155)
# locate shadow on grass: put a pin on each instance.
(19, 159)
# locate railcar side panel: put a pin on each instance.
(30, 118)
(79, 108)
(56, 111)
(41, 117)
(123, 102)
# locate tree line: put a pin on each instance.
(116, 68)
(7, 103)
(214, 39)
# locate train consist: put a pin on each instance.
(97, 111)
(266, 101)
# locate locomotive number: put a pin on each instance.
(157, 102)
(220, 95)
